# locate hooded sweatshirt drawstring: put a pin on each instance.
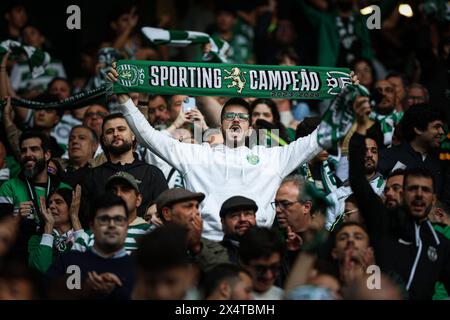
(436, 238)
(416, 260)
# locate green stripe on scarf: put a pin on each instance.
(231, 80)
(36, 58)
(182, 38)
(338, 119)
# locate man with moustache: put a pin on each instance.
(118, 143)
(393, 190)
(404, 239)
(384, 111)
(33, 182)
(237, 214)
(337, 212)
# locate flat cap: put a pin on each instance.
(175, 195)
(237, 203)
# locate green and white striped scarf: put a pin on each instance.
(230, 80)
(328, 182)
(338, 119)
(182, 38)
(36, 58)
(387, 123)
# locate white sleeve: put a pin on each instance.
(15, 77)
(179, 155)
(296, 153)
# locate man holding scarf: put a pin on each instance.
(222, 171)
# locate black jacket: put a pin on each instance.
(150, 179)
(405, 154)
(415, 252)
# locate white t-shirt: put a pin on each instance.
(274, 293)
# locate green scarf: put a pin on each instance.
(388, 123)
(338, 119)
(36, 59)
(240, 80)
(182, 38)
(76, 101)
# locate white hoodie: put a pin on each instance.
(221, 172)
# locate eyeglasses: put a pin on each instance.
(98, 114)
(262, 269)
(230, 116)
(282, 204)
(106, 220)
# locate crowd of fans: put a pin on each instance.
(136, 197)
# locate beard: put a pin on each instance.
(38, 167)
(370, 168)
(117, 151)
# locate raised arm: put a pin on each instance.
(179, 155)
(369, 204)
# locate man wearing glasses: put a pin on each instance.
(224, 170)
(106, 271)
(125, 186)
(238, 215)
(261, 252)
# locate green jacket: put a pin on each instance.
(211, 254)
(42, 249)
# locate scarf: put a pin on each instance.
(338, 119)
(76, 101)
(37, 59)
(328, 182)
(219, 48)
(388, 123)
(63, 242)
(237, 80)
(335, 214)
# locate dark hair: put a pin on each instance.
(14, 269)
(418, 173)
(58, 79)
(235, 102)
(290, 52)
(106, 201)
(444, 205)
(402, 76)
(30, 134)
(306, 127)
(65, 193)
(343, 225)
(47, 98)
(371, 67)
(163, 248)
(396, 172)
(275, 114)
(110, 117)
(221, 272)
(92, 132)
(259, 243)
(418, 117)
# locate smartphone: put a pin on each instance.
(188, 104)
